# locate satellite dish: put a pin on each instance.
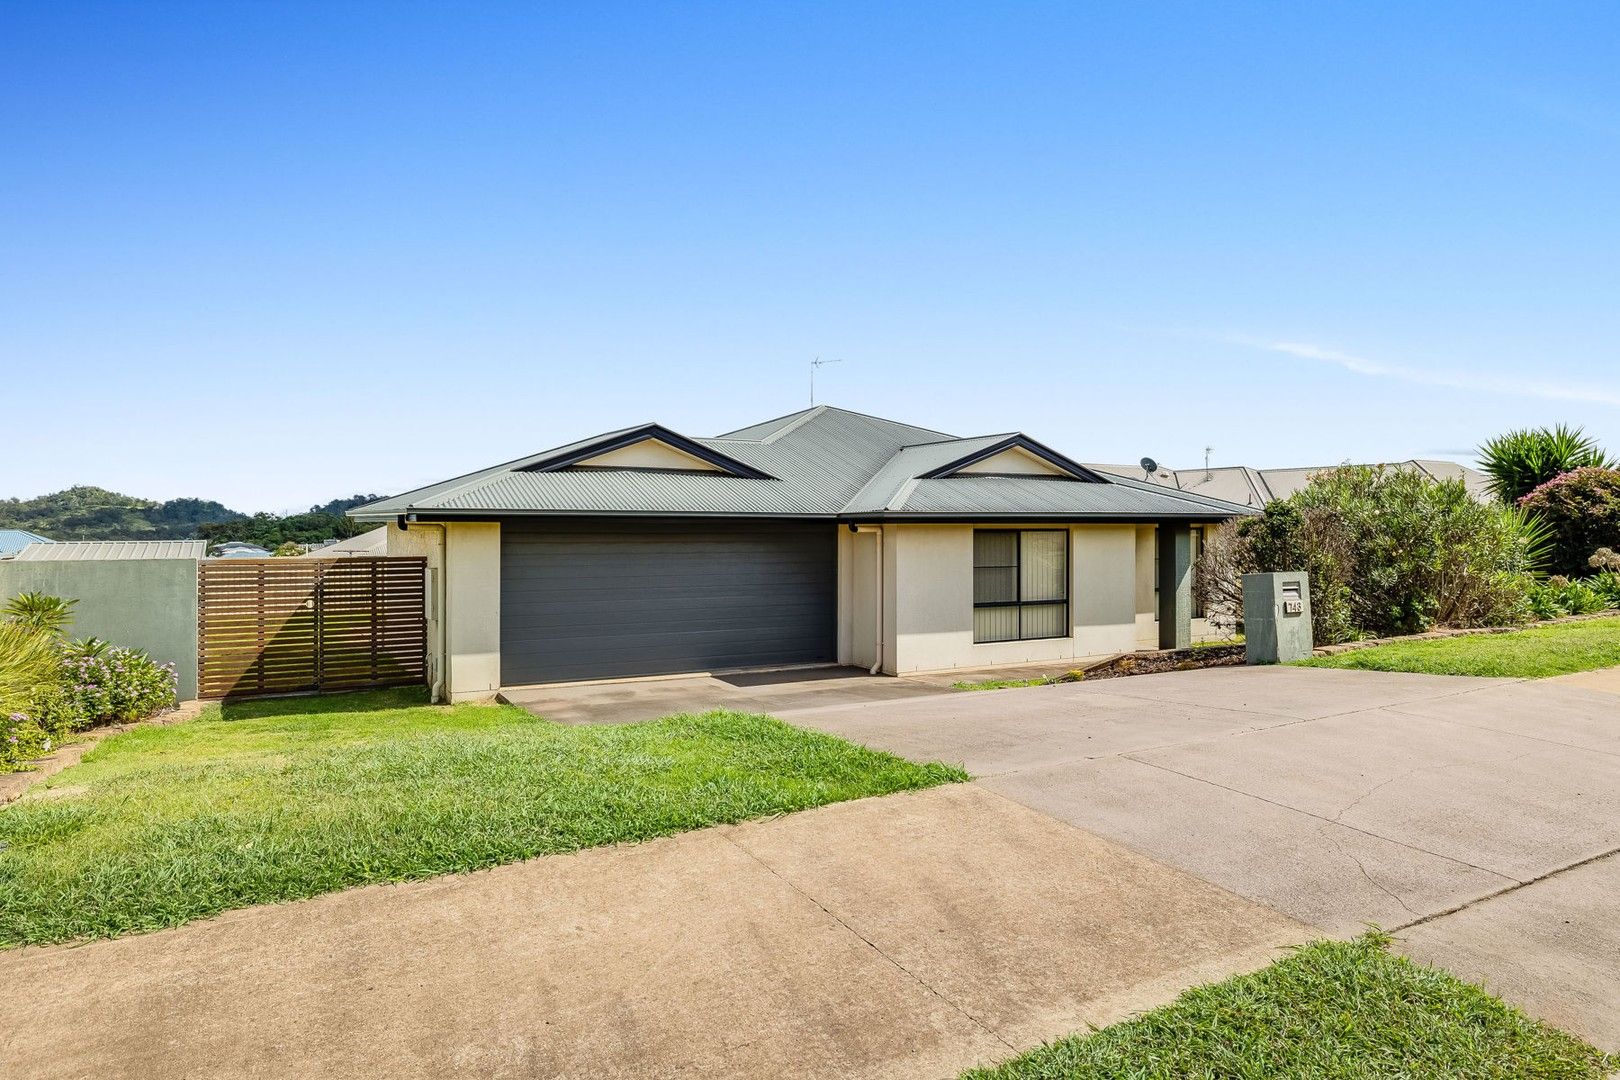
(1149, 466)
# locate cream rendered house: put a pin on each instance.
(822, 537)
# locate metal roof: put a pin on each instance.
(370, 542)
(104, 550)
(14, 540)
(821, 462)
(1256, 487)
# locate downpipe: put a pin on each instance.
(439, 689)
(877, 633)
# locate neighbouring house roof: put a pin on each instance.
(240, 549)
(821, 462)
(104, 550)
(370, 542)
(1256, 487)
(14, 540)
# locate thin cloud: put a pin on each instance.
(1455, 380)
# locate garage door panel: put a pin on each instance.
(583, 600)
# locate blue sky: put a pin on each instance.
(275, 253)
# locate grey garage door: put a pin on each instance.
(594, 600)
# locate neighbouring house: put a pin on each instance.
(372, 542)
(1256, 487)
(137, 593)
(14, 540)
(825, 536)
(239, 549)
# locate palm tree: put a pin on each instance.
(1521, 461)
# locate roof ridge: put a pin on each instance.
(959, 438)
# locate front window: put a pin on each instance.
(1020, 584)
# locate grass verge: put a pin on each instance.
(1536, 653)
(285, 799)
(1003, 684)
(1332, 1010)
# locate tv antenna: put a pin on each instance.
(817, 362)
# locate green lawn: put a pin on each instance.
(1524, 654)
(283, 799)
(1331, 1010)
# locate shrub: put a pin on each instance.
(1521, 461)
(1388, 551)
(29, 662)
(30, 666)
(21, 740)
(116, 685)
(1582, 510)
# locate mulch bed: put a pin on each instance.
(1149, 663)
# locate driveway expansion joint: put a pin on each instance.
(1508, 889)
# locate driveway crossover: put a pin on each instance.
(1340, 798)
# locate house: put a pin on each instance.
(824, 536)
(239, 549)
(14, 540)
(372, 542)
(1256, 487)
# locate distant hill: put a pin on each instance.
(92, 513)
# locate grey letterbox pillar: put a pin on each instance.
(1277, 617)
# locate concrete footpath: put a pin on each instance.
(907, 936)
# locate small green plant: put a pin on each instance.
(1559, 596)
(1520, 461)
(90, 646)
(39, 611)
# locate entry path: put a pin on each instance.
(1479, 818)
(907, 936)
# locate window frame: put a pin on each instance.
(1019, 603)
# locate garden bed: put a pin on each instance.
(1161, 660)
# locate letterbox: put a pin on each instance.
(1277, 617)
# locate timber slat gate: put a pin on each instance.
(284, 626)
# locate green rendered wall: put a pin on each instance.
(148, 604)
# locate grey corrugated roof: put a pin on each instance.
(1256, 487)
(885, 490)
(105, 550)
(822, 462)
(1035, 496)
(370, 542)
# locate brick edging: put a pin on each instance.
(13, 785)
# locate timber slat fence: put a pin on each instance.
(283, 626)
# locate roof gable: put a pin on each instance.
(649, 442)
(1016, 455)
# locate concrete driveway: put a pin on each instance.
(1479, 818)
